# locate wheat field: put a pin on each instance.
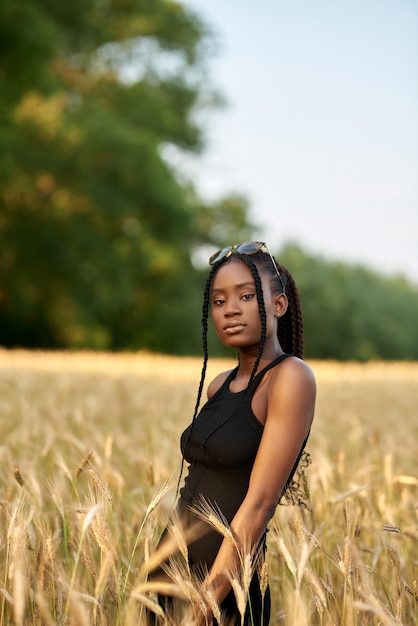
(89, 460)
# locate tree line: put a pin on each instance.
(99, 224)
(352, 312)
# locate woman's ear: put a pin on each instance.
(280, 305)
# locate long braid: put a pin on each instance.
(205, 315)
(262, 310)
(290, 326)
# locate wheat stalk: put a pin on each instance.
(148, 603)
(83, 463)
(100, 484)
(150, 508)
(240, 596)
(45, 614)
(210, 514)
(264, 577)
(291, 566)
(213, 603)
(101, 533)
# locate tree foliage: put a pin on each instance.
(95, 224)
(351, 312)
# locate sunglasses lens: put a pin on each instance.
(243, 248)
(219, 255)
(249, 248)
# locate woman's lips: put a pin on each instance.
(231, 329)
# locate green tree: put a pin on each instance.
(96, 224)
(351, 312)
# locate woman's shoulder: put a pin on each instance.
(293, 371)
(298, 365)
(217, 383)
(292, 392)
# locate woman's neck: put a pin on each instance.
(247, 359)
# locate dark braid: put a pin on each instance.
(205, 315)
(262, 310)
(290, 326)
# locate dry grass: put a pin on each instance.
(89, 449)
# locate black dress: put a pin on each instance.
(220, 447)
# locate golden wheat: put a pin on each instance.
(76, 545)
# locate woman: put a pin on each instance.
(245, 444)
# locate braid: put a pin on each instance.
(290, 326)
(261, 308)
(205, 315)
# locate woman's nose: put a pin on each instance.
(232, 308)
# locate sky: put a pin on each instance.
(320, 131)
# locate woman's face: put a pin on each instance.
(235, 311)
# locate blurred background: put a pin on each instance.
(137, 136)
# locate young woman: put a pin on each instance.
(245, 444)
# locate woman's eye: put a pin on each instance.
(248, 296)
(218, 301)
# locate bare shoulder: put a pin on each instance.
(291, 395)
(295, 367)
(294, 376)
(217, 383)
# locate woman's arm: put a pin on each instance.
(290, 409)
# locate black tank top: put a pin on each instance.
(221, 447)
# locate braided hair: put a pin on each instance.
(289, 327)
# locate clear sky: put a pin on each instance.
(321, 127)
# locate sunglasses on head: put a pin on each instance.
(249, 248)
